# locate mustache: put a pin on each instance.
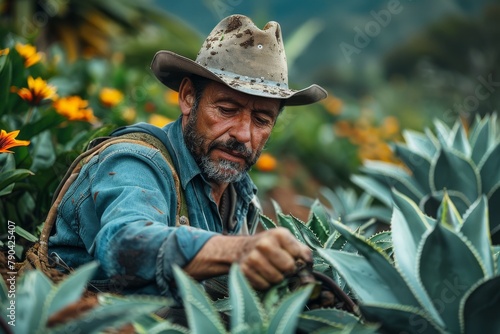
(232, 145)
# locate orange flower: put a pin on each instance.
(110, 97)
(171, 97)
(74, 109)
(8, 140)
(159, 120)
(4, 52)
(37, 91)
(266, 163)
(333, 105)
(28, 52)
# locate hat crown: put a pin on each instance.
(238, 48)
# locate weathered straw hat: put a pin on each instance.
(241, 56)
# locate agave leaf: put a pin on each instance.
(335, 241)
(400, 319)
(246, 308)
(288, 222)
(395, 177)
(494, 211)
(459, 139)
(383, 240)
(165, 327)
(476, 229)
(310, 238)
(419, 143)
(286, 316)
(448, 267)
(69, 290)
(374, 187)
(480, 139)
(318, 209)
(480, 307)
(489, 168)
(382, 214)
(202, 315)
(366, 281)
(111, 315)
(451, 170)
(449, 215)
(418, 163)
(267, 222)
(32, 290)
(313, 320)
(443, 133)
(320, 229)
(276, 207)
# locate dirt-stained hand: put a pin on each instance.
(269, 256)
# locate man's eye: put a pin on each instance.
(262, 121)
(225, 110)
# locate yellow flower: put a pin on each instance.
(74, 108)
(159, 120)
(110, 97)
(8, 140)
(28, 52)
(37, 91)
(129, 115)
(266, 163)
(171, 97)
(4, 52)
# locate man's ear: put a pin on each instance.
(186, 96)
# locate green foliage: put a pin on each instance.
(463, 165)
(36, 299)
(441, 269)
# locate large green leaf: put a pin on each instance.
(394, 177)
(480, 308)
(374, 187)
(113, 312)
(480, 139)
(10, 177)
(289, 223)
(69, 290)
(476, 229)
(320, 228)
(419, 165)
(328, 319)
(400, 319)
(202, 315)
(490, 169)
(285, 317)
(451, 170)
(366, 281)
(267, 223)
(419, 143)
(448, 214)
(448, 267)
(408, 226)
(245, 304)
(459, 139)
(31, 292)
(309, 237)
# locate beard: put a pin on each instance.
(220, 170)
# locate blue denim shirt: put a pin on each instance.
(121, 212)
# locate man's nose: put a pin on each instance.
(241, 130)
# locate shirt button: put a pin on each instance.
(183, 220)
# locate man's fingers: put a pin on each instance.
(294, 247)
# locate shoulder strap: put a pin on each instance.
(182, 212)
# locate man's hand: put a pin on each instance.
(265, 258)
(270, 256)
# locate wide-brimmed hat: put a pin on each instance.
(242, 56)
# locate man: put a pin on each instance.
(121, 210)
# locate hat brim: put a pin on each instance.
(170, 68)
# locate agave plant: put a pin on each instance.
(465, 165)
(33, 300)
(251, 312)
(443, 278)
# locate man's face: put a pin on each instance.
(227, 131)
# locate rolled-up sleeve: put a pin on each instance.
(135, 200)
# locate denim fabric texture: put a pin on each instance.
(121, 212)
